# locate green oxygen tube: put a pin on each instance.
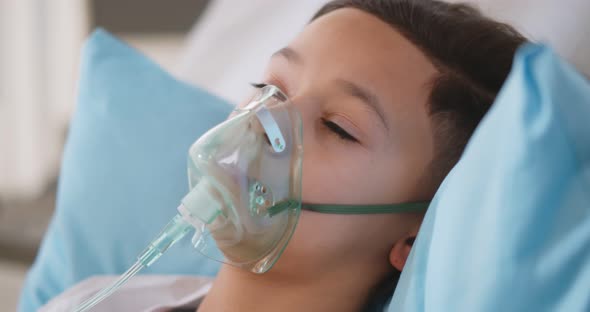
(176, 229)
(197, 205)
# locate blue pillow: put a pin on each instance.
(123, 171)
(509, 229)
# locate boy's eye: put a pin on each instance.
(258, 85)
(336, 129)
(332, 126)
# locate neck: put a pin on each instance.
(238, 290)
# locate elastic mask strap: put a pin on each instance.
(350, 209)
(367, 209)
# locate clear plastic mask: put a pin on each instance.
(245, 180)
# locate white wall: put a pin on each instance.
(39, 46)
(564, 24)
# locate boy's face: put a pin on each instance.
(361, 89)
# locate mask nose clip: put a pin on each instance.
(272, 131)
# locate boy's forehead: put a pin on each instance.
(354, 45)
(352, 32)
(350, 42)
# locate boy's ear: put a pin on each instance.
(401, 250)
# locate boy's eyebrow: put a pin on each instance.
(289, 54)
(349, 87)
(366, 97)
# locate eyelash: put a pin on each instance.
(332, 126)
(258, 85)
(337, 130)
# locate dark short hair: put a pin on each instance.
(473, 55)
